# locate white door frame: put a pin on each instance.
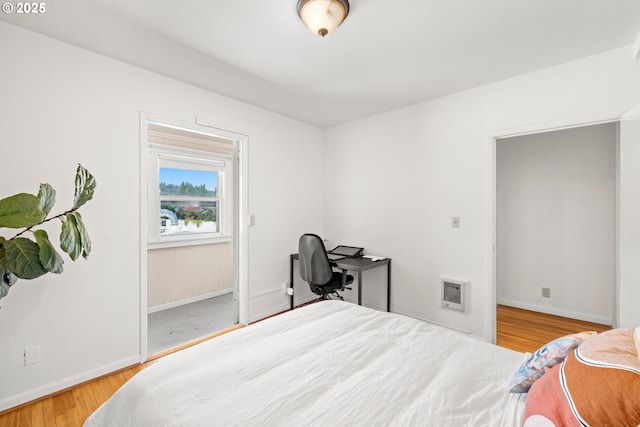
(240, 235)
(491, 227)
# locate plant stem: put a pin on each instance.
(43, 221)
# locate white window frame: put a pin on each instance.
(164, 155)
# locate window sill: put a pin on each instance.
(174, 242)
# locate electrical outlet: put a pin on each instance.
(546, 292)
(31, 355)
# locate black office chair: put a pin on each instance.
(316, 270)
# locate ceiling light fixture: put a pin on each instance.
(323, 16)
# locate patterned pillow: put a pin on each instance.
(598, 385)
(545, 358)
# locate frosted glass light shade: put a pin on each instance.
(323, 16)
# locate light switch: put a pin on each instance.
(455, 222)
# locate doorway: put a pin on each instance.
(555, 214)
(194, 242)
(173, 327)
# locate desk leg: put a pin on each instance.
(389, 286)
(359, 287)
(291, 280)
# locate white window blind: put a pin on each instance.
(191, 140)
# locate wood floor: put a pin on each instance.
(524, 330)
(70, 408)
(517, 329)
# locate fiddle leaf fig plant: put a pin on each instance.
(29, 253)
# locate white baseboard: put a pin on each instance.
(367, 304)
(185, 301)
(279, 308)
(603, 320)
(54, 387)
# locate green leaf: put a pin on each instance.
(22, 258)
(3, 254)
(4, 288)
(70, 240)
(49, 257)
(20, 210)
(84, 235)
(47, 197)
(85, 186)
(74, 238)
(6, 281)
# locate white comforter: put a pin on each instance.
(326, 364)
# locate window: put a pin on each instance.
(189, 194)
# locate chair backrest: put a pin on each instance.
(314, 264)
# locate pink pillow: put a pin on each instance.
(597, 385)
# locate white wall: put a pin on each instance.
(556, 222)
(628, 224)
(394, 181)
(182, 274)
(61, 105)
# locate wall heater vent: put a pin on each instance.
(453, 294)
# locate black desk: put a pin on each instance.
(357, 265)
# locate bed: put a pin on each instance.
(326, 364)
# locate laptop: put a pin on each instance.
(341, 252)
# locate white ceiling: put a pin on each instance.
(386, 55)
